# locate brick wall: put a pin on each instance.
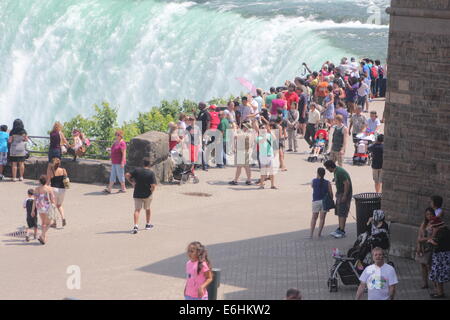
(417, 143)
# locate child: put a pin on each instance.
(3, 148)
(198, 272)
(318, 147)
(436, 204)
(31, 216)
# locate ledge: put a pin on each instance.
(419, 13)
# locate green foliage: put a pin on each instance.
(130, 130)
(85, 125)
(105, 121)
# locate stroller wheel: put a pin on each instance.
(332, 285)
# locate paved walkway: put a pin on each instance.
(257, 238)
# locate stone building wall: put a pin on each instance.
(417, 143)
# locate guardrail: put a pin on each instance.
(98, 149)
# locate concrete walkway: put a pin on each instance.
(257, 238)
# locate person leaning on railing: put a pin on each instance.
(57, 140)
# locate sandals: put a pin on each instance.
(275, 188)
(122, 191)
(107, 191)
(233, 183)
(27, 238)
(53, 225)
(41, 241)
(249, 183)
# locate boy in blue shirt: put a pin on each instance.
(3, 148)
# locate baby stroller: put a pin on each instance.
(349, 268)
(182, 171)
(322, 153)
(362, 156)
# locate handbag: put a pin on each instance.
(328, 202)
(66, 180)
(52, 214)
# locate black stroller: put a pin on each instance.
(182, 171)
(349, 268)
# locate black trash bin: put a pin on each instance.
(365, 203)
(212, 288)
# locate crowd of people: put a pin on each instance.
(255, 130)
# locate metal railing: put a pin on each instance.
(98, 149)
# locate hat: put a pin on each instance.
(436, 222)
(378, 215)
(212, 106)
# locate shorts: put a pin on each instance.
(302, 120)
(317, 206)
(336, 156)
(54, 153)
(59, 195)
(342, 209)
(142, 203)
(3, 158)
(362, 101)
(117, 173)
(377, 175)
(17, 158)
(32, 222)
(267, 164)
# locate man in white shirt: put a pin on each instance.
(313, 122)
(380, 279)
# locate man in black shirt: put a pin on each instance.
(144, 183)
(205, 119)
(377, 162)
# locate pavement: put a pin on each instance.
(256, 237)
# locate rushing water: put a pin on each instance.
(59, 57)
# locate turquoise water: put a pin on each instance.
(61, 56)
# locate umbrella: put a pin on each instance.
(250, 86)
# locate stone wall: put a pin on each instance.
(152, 145)
(417, 142)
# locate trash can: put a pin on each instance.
(212, 288)
(365, 203)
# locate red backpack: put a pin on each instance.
(374, 72)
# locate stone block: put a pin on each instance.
(152, 145)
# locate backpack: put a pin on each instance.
(380, 72)
(374, 72)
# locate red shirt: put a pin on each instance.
(117, 150)
(291, 97)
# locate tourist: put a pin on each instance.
(243, 141)
(181, 124)
(354, 67)
(362, 91)
(379, 80)
(440, 265)
(358, 123)
(144, 183)
(224, 126)
(174, 138)
(292, 123)
(341, 110)
(291, 96)
(198, 272)
(266, 142)
(118, 160)
(56, 176)
(351, 94)
(377, 162)
(271, 97)
(424, 249)
(231, 114)
(321, 188)
(281, 125)
(246, 109)
(436, 204)
(44, 201)
(344, 192)
(328, 102)
(17, 151)
(259, 99)
(193, 135)
(373, 123)
(4, 136)
(293, 294)
(32, 222)
(205, 118)
(322, 91)
(338, 92)
(380, 279)
(277, 104)
(80, 142)
(302, 109)
(313, 123)
(58, 142)
(339, 141)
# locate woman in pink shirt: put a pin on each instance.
(118, 160)
(198, 272)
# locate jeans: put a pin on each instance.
(54, 153)
(117, 172)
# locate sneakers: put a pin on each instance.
(335, 232)
(63, 222)
(1, 177)
(21, 179)
(135, 230)
(338, 234)
(148, 226)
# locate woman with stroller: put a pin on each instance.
(424, 249)
(321, 187)
(440, 266)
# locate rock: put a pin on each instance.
(153, 145)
